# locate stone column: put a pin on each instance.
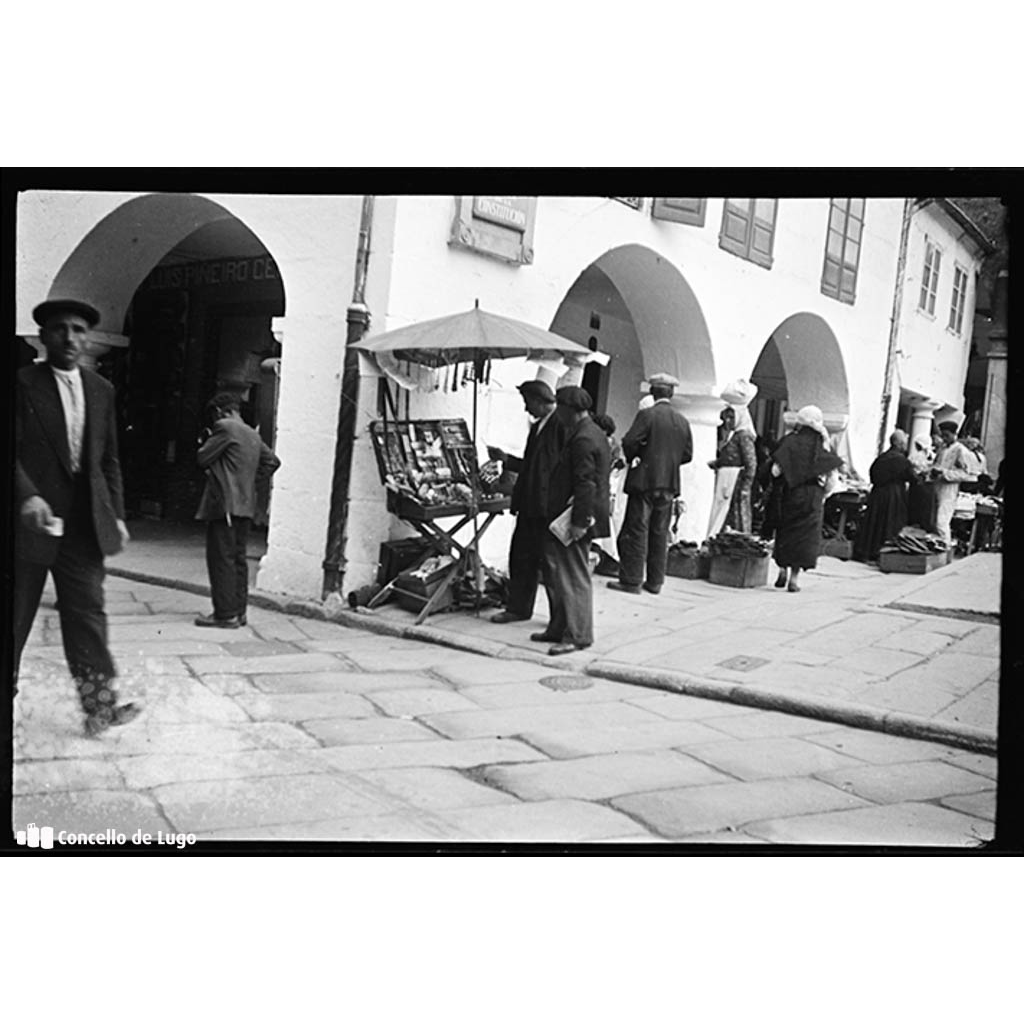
(698, 481)
(922, 419)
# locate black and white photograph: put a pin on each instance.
(488, 520)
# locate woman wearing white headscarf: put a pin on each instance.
(735, 463)
(801, 464)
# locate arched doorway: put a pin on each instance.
(800, 364)
(187, 293)
(634, 306)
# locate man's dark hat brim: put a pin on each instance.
(538, 389)
(949, 425)
(45, 310)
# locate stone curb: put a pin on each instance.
(861, 716)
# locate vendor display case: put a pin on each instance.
(430, 469)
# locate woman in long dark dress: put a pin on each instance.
(801, 464)
(890, 474)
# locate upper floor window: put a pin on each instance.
(930, 277)
(842, 249)
(959, 303)
(685, 211)
(748, 229)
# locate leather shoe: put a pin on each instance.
(242, 620)
(543, 638)
(651, 589)
(565, 648)
(212, 620)
(121, 715)
(501, 618)
(624, 587)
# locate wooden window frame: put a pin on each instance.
(837, 291)
(958, 301)
(681, 210)
(930, 277)
(745, 249)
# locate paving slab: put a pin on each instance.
(433, 789)
(979, 708)
(981, 764)
(409, 703)
(161, 738)
(144, 771)
(233, 803)
(513, 695)
(227, 684)
(899, 783)
(696, 810)
(514, 721)
(908, 824)
(305, 662)
(337, 732)
(854, 633)
(256, 648)
(181, 700)
(89, 811)
(438, 753)
(180, 647)
(984, 640)
(301, 707)
(65, 776)
(424, 656)
(579, 741)
(766, 724)
(922, 642)
(393, 828)
(342, 681)
(880, 749)
(980, 805)
(548, 821)
(755, 759)
(601, 776)
(680, 706)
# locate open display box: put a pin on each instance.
(430, 469)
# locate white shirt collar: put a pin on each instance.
(72, 376)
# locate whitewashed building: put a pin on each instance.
(799, 295)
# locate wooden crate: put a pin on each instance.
(731, 571)
(901, 561)
(688, 567)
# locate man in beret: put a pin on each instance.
(951, 465)
(581, 477)
(655, 446)
(529, 503)
(70, 504)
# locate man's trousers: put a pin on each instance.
(643, 539)
(570, 591)
(78, 580)
(227, 565)
(525, 559)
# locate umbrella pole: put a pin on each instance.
(477, 567)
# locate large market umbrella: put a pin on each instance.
(473, 336)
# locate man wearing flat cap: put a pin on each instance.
(581, 477)
(529, 502)
(70, 504)
(951, 465)
(655, 446)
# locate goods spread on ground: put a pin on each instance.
(912, 540)
(738, 545)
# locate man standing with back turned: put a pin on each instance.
(659, 441)
(234, 456)
(67, 485)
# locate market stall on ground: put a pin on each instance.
(430, 467)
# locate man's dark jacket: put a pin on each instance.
(233, 456)
(660, 436)
(43, 459)
(581, 473)
(530, 493)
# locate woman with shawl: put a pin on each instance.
(735, 463)
(890, 473)
(802, 462)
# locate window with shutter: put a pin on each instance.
(684, 211)
(930, 277)
(748, 229)
(842, 249)
(959, 302)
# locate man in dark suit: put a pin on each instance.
(70, 504)
(659, 442)
(529, 503)
(235, 458)
(579, 476)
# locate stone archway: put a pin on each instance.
(801, 364)
(636, 307)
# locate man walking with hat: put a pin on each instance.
(70, 504)
(529, 503)
(580, 477)
(655, 446)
